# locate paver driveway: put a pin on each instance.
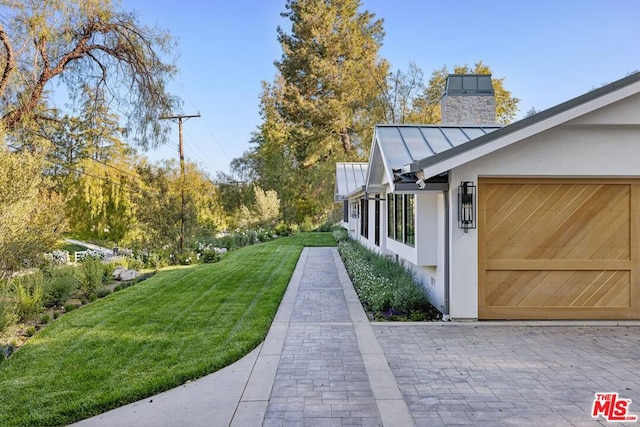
(511, 374)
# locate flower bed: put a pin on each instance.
(387, 290)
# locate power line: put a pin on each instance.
(103, 179)
(111, 166)
(205, 155)
(182, 87)
(47, 136)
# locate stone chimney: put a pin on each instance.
(468, 99)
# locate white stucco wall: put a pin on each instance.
(432, 221)
(576, 150)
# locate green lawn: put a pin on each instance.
(71, 247)
(179, 325)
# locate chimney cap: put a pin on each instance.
(469, 84)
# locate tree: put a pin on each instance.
(203, 197)
(157, 223)
(32, 216)
(100, 202)
(157, 212)
(329, 67)
(92, 48)
(399, 93)
(267, 208)
(531, 111)
(234, 192)
(317, 111)
(93, 168)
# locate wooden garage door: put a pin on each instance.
(558, 249)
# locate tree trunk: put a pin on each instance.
(346, 140)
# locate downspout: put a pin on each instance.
(447, 275)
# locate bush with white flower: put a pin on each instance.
(386, 289)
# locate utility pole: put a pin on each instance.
(180, 118)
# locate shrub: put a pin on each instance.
(30, 331)
(239, 240)
(340, 235)
(387, 289)
(307, 225)
(102, 292)
(58, 257)
(69, 307)
(326, 227)
(29, 295)
(90, 275)
(93, 297)
(227, 241)
(209, 256)
(93, 254)
(107, 274)
(6, 350)
(375, 292)
(283, 229)
(187, 258)
(409, 297)
(133, 263)
(8, 314)
(45, 319)
(59, 286)
(117, 288)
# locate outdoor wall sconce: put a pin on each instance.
(466, 206)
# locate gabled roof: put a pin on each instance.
(350, 178)
(395, 146)
(443, 161)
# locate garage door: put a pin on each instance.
(558, 249)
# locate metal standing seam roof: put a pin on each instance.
(404, 144)
(350, 177)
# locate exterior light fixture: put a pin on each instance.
(466, 206)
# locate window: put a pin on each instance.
(399, 222)
(345, 211)
(364, 218)
(401, 218)
(409, 219)
(391, 218)
(355, 210)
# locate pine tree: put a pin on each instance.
(317, 111)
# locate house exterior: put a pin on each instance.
(539, 219)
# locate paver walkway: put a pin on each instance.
(321, 364)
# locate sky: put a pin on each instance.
(547, 51)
